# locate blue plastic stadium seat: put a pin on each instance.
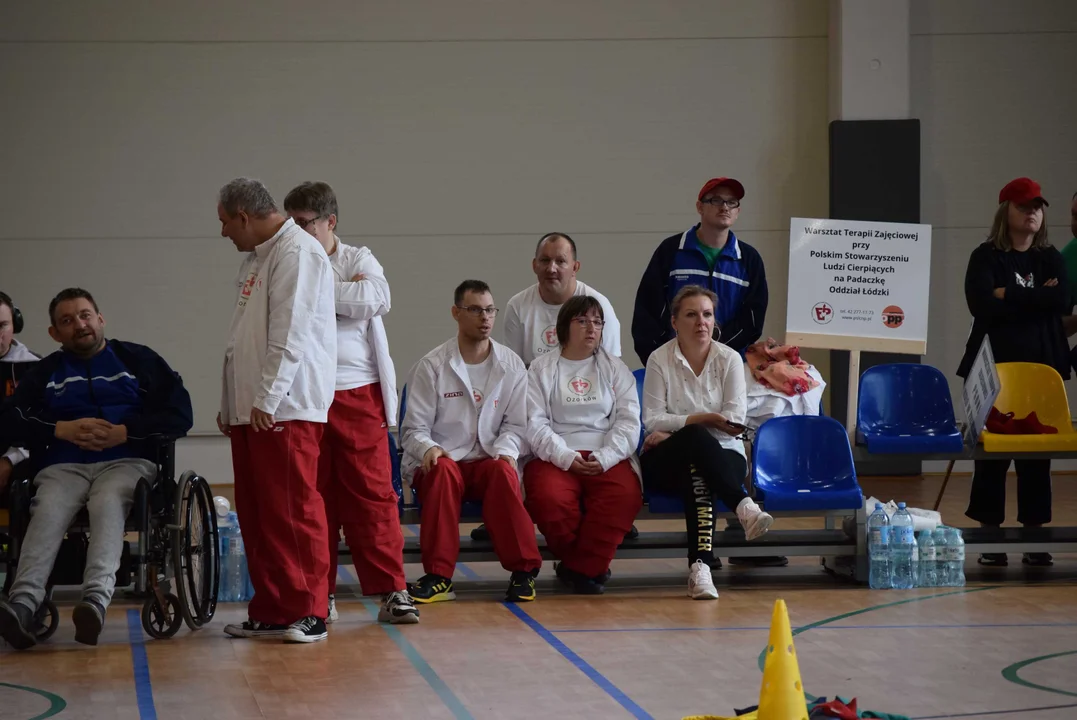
(467, 509)
(658, 503)
(804, 462)
(906, 408)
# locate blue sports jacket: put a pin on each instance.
(738, 279)
(125, 384)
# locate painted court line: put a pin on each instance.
(141, 664)
(582, 665)
(412, 654)
(826, 627)
(994, 713)
(467, 572)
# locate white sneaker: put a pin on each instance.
(752, 518)
(700, 583)
(333, 616)
(398, 609)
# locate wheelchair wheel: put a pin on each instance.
(161, 623)
(48, 619)
(195, 554)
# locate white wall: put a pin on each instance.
(993, 86)
(455, 135)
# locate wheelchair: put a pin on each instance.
(177, 549)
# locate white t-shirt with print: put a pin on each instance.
(479, 375)
(580, 408)
(531, 324)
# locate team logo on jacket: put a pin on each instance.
(453, 394)
(549, 336)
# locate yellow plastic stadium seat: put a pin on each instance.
(1030, 387)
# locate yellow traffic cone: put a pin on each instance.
(782, 695)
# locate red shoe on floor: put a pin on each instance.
(1001, 423)
(1031, 425)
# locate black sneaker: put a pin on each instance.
(521, 587)
(1038, 559)
(431, 589)
(580, 583)
(88, 617)
(16, 624)
(306, 630)
(603, 578)
(480, 534)
(254, 629)
(398, 609)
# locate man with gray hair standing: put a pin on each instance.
(279, 379)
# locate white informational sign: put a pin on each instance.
(857, 285)
(982, 388)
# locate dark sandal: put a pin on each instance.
(994, 560)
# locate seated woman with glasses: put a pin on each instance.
(694, 403)
(582, 485)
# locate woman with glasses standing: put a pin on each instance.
(694, 402)
(582, 487)
(1017, 292)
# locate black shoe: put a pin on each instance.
(480, 534)
(1040, 559)
(306, 630)
(580, 583)
(16, 625)
(603, 578)
(994, 560)
(768, 561)
(632, 534)
(431, 589)
(521, 587)
(254, 629)
(88, 617)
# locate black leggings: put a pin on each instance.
(987, 499)
(693, 465)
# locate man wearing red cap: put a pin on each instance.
(712, 256)
(708, 254)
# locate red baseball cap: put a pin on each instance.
(715, 183)
(1022, 190)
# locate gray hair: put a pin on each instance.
(249, 196)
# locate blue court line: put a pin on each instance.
(582, 665)
(987, 713)
(467, 572)
(143, 689)
(413, 529)
(414, 656)
(823, 627)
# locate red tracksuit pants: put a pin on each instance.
(496, 485)
(583, 517)
(355, 478)
(282, 518)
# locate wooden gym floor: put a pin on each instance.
(1004, 646)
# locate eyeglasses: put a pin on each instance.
(719, 202)
(585, 322)
(304, 224)
(476, 311)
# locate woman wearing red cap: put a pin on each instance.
(1017, 292)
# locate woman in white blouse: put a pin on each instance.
(582, 487)
(693, 410)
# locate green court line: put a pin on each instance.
(810, 626)
(56, 703)
(1011, 673)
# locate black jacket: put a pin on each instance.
(1026, 325)
(27, 421)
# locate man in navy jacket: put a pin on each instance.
(92, 415)
(710, 255)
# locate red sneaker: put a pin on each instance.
(1001, 423)
(1031, 425)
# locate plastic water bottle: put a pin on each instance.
(939, 537)
(902, 550)
(879, 549)
(955, 558)
(927, 574)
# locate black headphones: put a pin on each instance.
(16, 314)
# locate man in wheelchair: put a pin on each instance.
(90, 415)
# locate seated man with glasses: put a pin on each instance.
(583, 424)
(463, 433)
(711, 256)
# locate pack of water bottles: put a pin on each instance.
(900, 560)
(235, 585)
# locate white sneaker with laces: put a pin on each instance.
(752, 518)
(700, 583)
(398, 609)
(333, 616)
